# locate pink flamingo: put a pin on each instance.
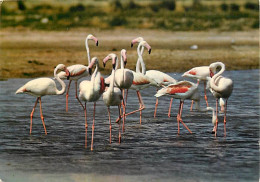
(141, 81)
(90, 91)
(43, 86)
(200, 73)
(113, 96)
(160, 78)
(184, 90)
(78, 71)
(221, 87)
(123, 80)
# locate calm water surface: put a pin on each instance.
(149, 152)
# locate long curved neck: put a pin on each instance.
(140, 58)
(87, 48)
(197, 105)
(94, 74)
(138, 64)
(122, 62)
(212, 81)
(63, 85)
(111, 85)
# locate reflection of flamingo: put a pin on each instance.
(43, 86)
(112, 96)
(221, 87)
(141, 81)
(161, 78)
(90, 91)
(78, 71)
(200, 73)
(184, 90)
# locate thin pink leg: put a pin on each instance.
(126, 96)
(170, 107)
(67, 97)
(119, 132)
(93, 126)
(156, 105)
(225, 117)
(86, 125)
(31, 116)
(216, 126)
(110, 126)
(205, 95)
(142, 106)
(180, 119)
(42, 116)
(76, 86)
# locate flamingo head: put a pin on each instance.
(62, 67)
(138, 39)
(111, 56)
(92, 37)
(123, 54)
(94, 61)
(145, 44)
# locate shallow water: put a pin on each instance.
(149, 152)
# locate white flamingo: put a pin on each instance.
(141, 81)
(161, 79)
(113, 96)
(78, 71)
(43, 86)
(200, 73)
(221, 87)
(184, 90)
(123, 80)
(90, 91)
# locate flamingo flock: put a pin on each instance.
(114, 89)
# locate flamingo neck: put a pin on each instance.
(95, 73)
(122, 62)
(138, 64)
(87, 48)
(140, 57)
(111, 85)
(213, 79)
(63, 85)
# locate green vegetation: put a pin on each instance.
(174, 15)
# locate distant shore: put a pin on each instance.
(29, 53)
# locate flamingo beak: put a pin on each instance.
(104, 64)
(125, 63)
(114, 66)
(67, 73)
(132, 44)
(211, 74)
(90, 71)
(149, 51)
(97, 43)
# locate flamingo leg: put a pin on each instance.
(142, 106)
(205, 95)
(76, 86)
(225, 117)
(191, 106)
(126, 96)
(86, 125)
(180, 119)
(124, 110)
(93, 126)
(110, 126)
(31, 116)
(156, 105)
(216, 126)
(119, 132)
(67, 97)
(170, 107)
(42, 116)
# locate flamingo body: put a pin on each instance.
(198, 73)
(77, 71)
(160, 78)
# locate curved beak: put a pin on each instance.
(90, 71)
(97, 43)
(104, 64)
(149, 51)
(211, 74)
(67, 73)
(125, 63)
(114, 66)
(132, 44)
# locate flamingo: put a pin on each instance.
(43, 86)
(90, 91)
(78, 71)
(123, 80)
(184, 90)
(200, 73)
(221, 87)
(113, 96)
(141, 81)
(162, 79)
